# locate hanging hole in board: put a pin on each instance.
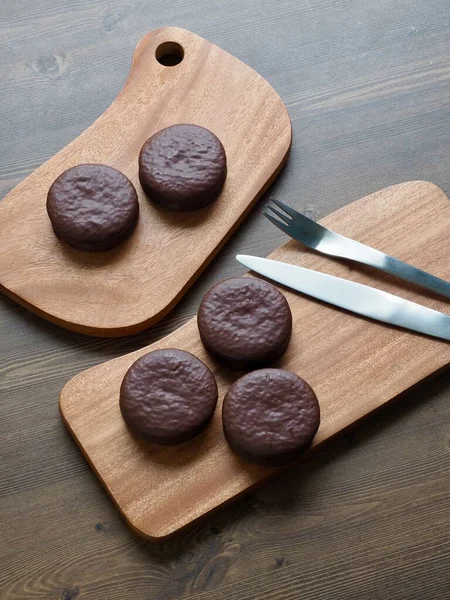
(169, 54)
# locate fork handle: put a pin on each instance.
(374, 258)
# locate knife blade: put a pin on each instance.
(355, 297)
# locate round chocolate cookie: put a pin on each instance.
(270, 416)
(245, 322)
(168, 396)
(92, 207)
(183, 167)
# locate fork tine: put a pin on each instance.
(281, 225)
(286, 218)
(287, 209)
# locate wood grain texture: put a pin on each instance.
(353, 364)
(131, 287)
(367, 87)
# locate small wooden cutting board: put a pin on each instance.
(355, 366)
(127, 289)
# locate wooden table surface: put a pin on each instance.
(367, 85)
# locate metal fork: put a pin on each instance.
(319, 238)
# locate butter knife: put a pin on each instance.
(355, 297)
(318, 237)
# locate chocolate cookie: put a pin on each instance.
(270, 416)
(245, 322)
(183, 167)
(92, 207)
(168, 396)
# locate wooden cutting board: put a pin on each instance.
(355, 366)
(131, 287)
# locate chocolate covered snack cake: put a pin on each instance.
(245, 323)
(270, 416)
(168, 396)
(92, 207)
(183, 167)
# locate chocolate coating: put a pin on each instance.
(245, 322)
(270, 416)
(168, 396)
(92, 207)
(183, 167)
